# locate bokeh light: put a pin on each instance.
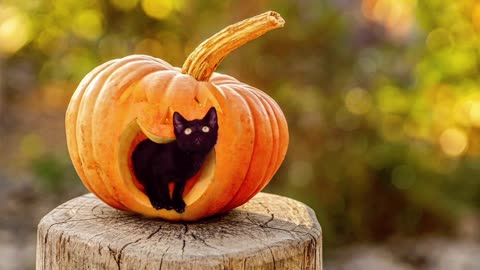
(358, 101)
(161, 9)
(382, 98)
(439, 38)
(454, 142)
(476, 15)
(88, 24)
(474, 113)
(396, 16)
(15, 29)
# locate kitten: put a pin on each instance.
(156, 165)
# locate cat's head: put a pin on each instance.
(198, 135)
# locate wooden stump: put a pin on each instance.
(269, 232)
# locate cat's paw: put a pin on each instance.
(161, 204)
(179, 206)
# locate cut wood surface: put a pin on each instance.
(269, 232)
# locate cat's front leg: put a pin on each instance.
(157, 192)
(177, 199)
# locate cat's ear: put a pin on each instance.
(211, 117)
(178, 122)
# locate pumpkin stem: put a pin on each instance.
(203, 61)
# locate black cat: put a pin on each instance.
(156, 165)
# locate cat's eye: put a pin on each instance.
(205, 129)
(187, 131)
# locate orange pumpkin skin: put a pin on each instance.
(126, 100)
(136, 96)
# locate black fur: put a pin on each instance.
(156, 165)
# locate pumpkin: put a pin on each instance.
(124, 101)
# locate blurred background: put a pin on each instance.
(382, 99)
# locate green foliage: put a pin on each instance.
(382, 96)
(49, 171)
(54, 174)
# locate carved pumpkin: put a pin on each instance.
(124, 101)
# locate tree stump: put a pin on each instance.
(269, 232)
